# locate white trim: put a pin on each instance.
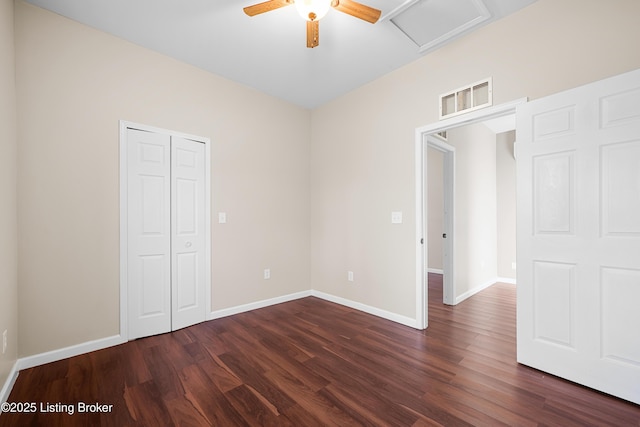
(434, 141)
(422, 319)
(407, 321)
(420, 133)
(449, 191)
(124, 125)
(256, 305)
(8, 384)
(435, 270)
(483, 15)
(207, 224)
(54, 356)
(123, 228)
(484, 286)
(488, 113)
(398, 10)
(481, 287)
(66, 352)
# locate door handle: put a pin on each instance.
(444, 235)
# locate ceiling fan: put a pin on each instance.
(314, 10)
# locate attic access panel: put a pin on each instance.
(430, 23)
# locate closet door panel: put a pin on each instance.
(149, 233)
(188, 232)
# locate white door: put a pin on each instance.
(188, 238)
(149, 233)
(166, 233)
(578, 172)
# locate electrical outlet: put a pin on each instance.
(350, 276)
(267, 273)
(4, 341)
(222, 218)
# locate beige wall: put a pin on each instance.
(8, 185)
(475, 207)
(362, 153)
(74, 85)
(506, 202)
(504, 194)
(309, 212)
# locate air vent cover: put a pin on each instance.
(468, 98)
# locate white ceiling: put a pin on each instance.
(268, 52)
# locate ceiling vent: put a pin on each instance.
(431, 23)
(468, 98)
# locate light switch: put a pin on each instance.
(222, 217)
(396, 217)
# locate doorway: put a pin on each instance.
(164, 230)
(425, 138)
(440, 164)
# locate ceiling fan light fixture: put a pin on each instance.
(313, 10)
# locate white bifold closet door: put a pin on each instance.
(166, 239)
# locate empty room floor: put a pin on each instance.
(310, 362)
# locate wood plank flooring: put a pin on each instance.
(313, 363)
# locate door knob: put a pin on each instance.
(444, 235)
(188, 244)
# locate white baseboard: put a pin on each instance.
(435, 270)
(327, 297)
(407, 321)
(473, 291)
(54, 356)
(99, 344)
(256, 305)
(64, 353)
(8, 384)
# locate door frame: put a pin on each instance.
(448, 190)
(421, 140)
(124, 126)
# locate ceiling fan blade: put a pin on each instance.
(358, 10)
(313, 33)
(266, 6)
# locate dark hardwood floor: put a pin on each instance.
(309, 363)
